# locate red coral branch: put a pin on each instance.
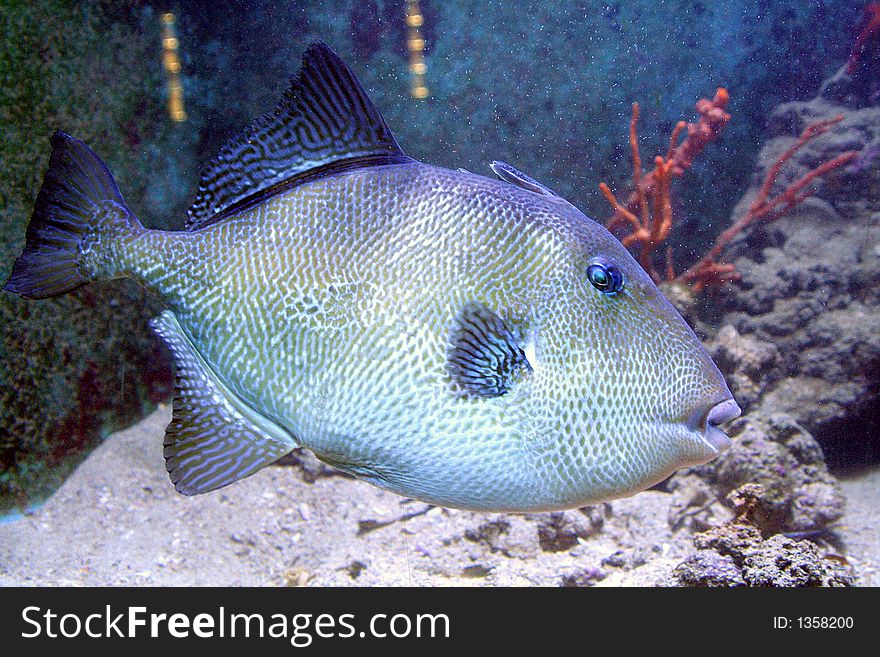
(651, 192)
(679, 157)
(708, 271)
(651, 227)
(870, 33)
(647, 213)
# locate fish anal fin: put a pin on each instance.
(214, 438)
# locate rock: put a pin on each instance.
(781, 561)
(851, 91)
(775, 451)
(736, 553)
(708, 568)
(521, 540)
(660, 571)
(811, 281)
(512, 536)
(747, 363)
(583, 577)
(695, 502)
(561, 531)
(628, 559)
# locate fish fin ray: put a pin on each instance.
(214, 438)
(516, 177)
(484, 358)
(324, 123)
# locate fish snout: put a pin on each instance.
(706, 420)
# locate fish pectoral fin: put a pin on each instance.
(214, 438)
(483, 357)
(516, 177)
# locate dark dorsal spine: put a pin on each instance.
(324, 124)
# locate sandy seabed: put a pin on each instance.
(118, 521)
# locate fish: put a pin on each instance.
(471, 342)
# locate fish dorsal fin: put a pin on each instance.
(214, 438)
(484, 358)
(325, 123)
(516, 177)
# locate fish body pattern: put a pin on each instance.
(470, 342)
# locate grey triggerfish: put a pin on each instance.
(466, 341)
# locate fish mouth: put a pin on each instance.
(707, 419)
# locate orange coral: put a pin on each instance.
(708, 271)
(650, 228)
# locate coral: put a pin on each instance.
(736, 554)
(650, 228)
(707, 270)
(868, 36)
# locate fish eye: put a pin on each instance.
(605, 277)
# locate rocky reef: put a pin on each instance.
(801, 325)
(799, 345)
(797, 492)
(736, 554)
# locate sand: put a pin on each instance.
(118, 521)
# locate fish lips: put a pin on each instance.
(706, 421)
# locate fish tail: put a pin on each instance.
(78, 216)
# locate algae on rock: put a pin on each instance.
(74, 368)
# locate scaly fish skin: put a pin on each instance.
(431, 331)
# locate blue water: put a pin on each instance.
(546, 86)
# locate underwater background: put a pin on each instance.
(789, 305)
